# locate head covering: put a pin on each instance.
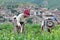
(27, 11)
(14, 17)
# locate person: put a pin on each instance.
(20, 20)
(46, 15)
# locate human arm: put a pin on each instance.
(56, 20)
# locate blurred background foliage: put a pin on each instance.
(14, 3)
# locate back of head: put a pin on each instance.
(14, 17)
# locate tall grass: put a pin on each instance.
(32, 32)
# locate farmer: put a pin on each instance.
(45, 16)
(20, 20)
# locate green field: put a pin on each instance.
(32, 32)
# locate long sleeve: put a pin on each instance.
(18, 19)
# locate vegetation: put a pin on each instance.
(32, 32)
(14, 3)
(54, 4)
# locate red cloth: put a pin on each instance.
(27, 11)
